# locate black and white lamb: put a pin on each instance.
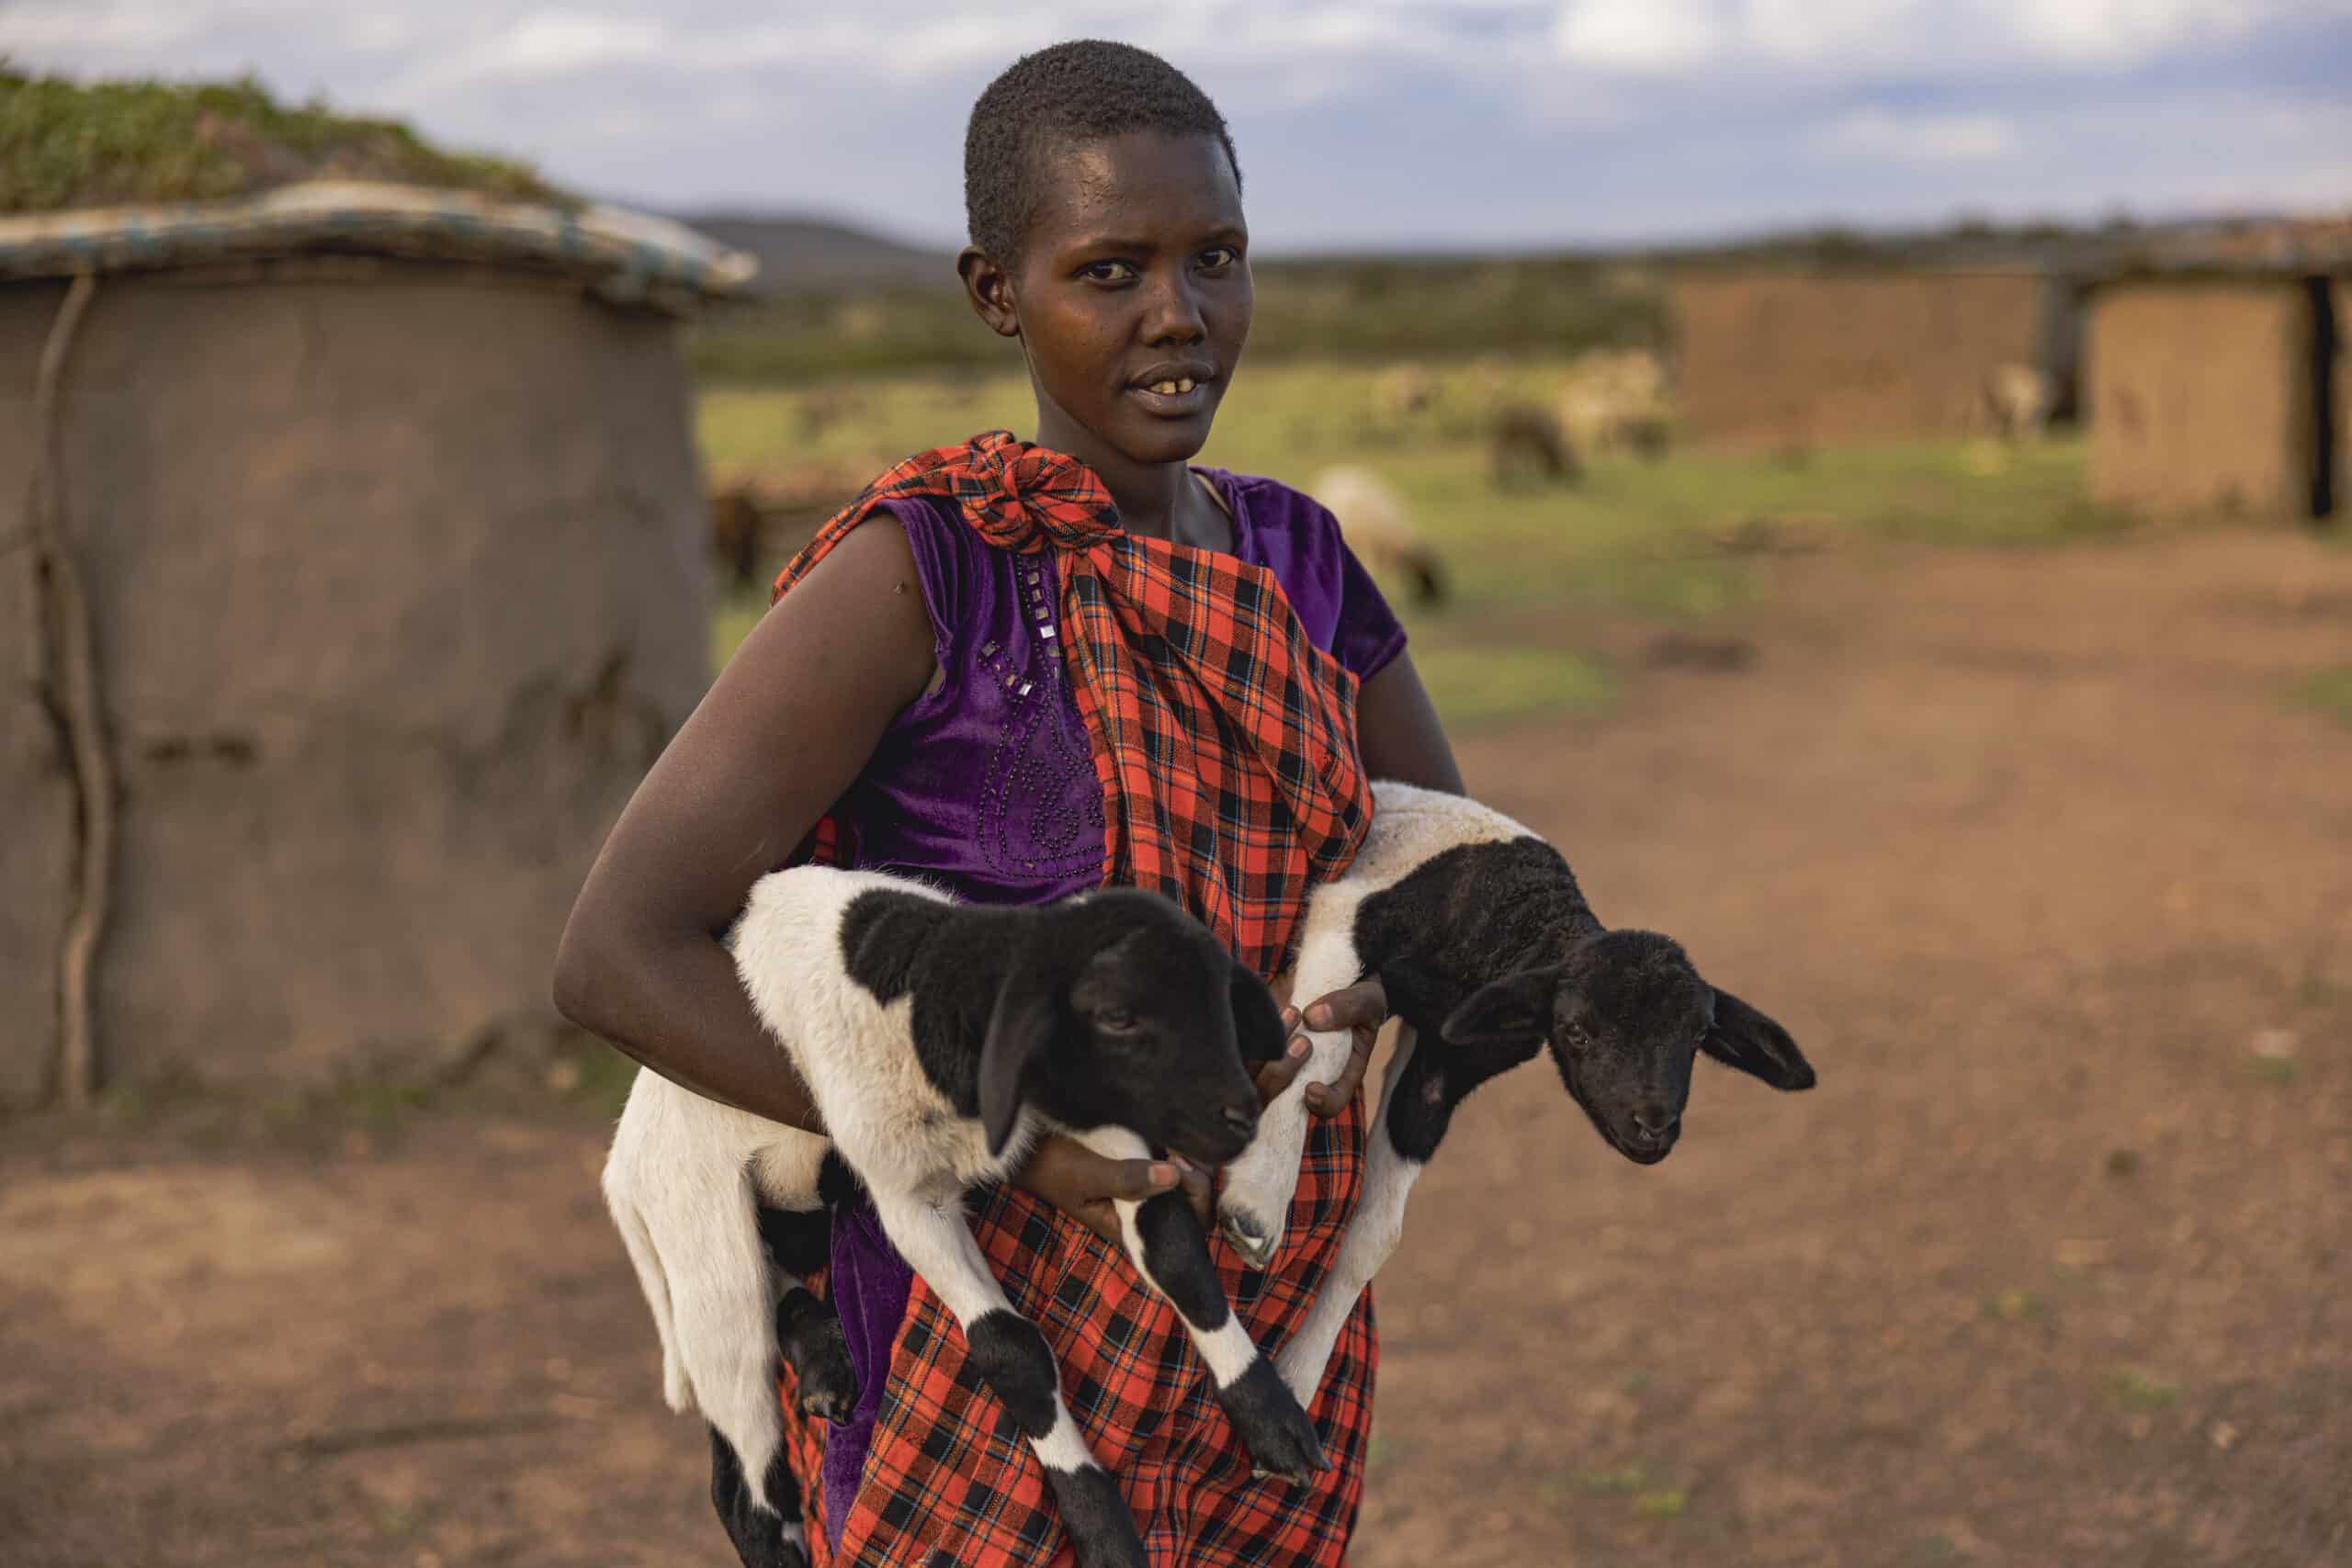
(938, 1041)
(1488, 951)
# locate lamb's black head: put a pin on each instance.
(1122, 1010)
(1625, 1013)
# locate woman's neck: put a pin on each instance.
(1157, 501)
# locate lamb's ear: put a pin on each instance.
(1746, 1039)
(1027, 1013)
(1515, 1011)
(1257, 1021)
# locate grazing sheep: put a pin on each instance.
(736, 530)
(1402, 391)
(938, 1041)
(1488, 951)
(760, 514)
(2018, 397)
(1373, 516)
(1529, 448)
(1615, 399)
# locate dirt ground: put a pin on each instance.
(2029, 849)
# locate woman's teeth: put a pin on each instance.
(1172, 388)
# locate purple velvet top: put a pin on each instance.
(985, 786)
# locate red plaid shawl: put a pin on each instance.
(1225, 744)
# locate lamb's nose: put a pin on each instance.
(1242, 1119)
(1655, 1121)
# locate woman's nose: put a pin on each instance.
(1174, 315)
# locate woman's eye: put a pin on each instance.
(1106, 271)
(1218, 256)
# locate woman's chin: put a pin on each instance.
(1154, 439)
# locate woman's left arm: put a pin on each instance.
(1399, 738)
(1398, 732)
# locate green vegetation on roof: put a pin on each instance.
(65, 143)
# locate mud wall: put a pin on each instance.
(2200, 397)
(398, 585)
(1803, 359)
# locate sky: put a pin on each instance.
(1425, 124)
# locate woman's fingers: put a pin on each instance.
(1084, 1185)
(1329, 1099)
(1364, 1005)
(1278, 1076)
(1200, 1192)
(1360, 1009)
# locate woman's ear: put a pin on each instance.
(989, 288)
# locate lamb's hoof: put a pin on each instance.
(1101, 1531)
(824, 1384)
(1294, 1456)
(1290, 1477)
(826, 1387)
(1249, 1236)
(1278, 1433)
(1114, 1553)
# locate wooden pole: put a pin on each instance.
(71, 675)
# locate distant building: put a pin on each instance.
(1784, 358)
(388, 528)
(2219, 382)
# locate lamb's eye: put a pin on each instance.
(1114, 1021)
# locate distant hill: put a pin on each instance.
(816, 255)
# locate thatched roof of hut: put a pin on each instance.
(118, 176)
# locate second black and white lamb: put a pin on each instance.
(1488, 951)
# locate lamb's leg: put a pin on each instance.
(1372, 1234)
(809, 1338)
(1164, 1241)
(686, 1211)
(762, 1538)
(1416, 1102)
(1255, 1191)
(1013, 1361)
(809, 1331)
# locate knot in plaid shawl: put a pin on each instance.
(1223, 740)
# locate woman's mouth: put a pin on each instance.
(1173, 395)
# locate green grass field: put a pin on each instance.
(1672, 539)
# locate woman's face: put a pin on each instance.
(1133, 297)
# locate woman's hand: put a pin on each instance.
(1083, 1185)
(1360, 1009)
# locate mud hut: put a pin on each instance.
(2221, 386)
(1800, 358)
(360, 572)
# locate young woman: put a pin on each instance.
(1020, 670)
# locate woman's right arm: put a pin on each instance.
(782, 733)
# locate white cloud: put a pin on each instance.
(1847, 36)
(39, 31)
(2107, 31)
(1935, 138)
(1638, 35)
(546, 42)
